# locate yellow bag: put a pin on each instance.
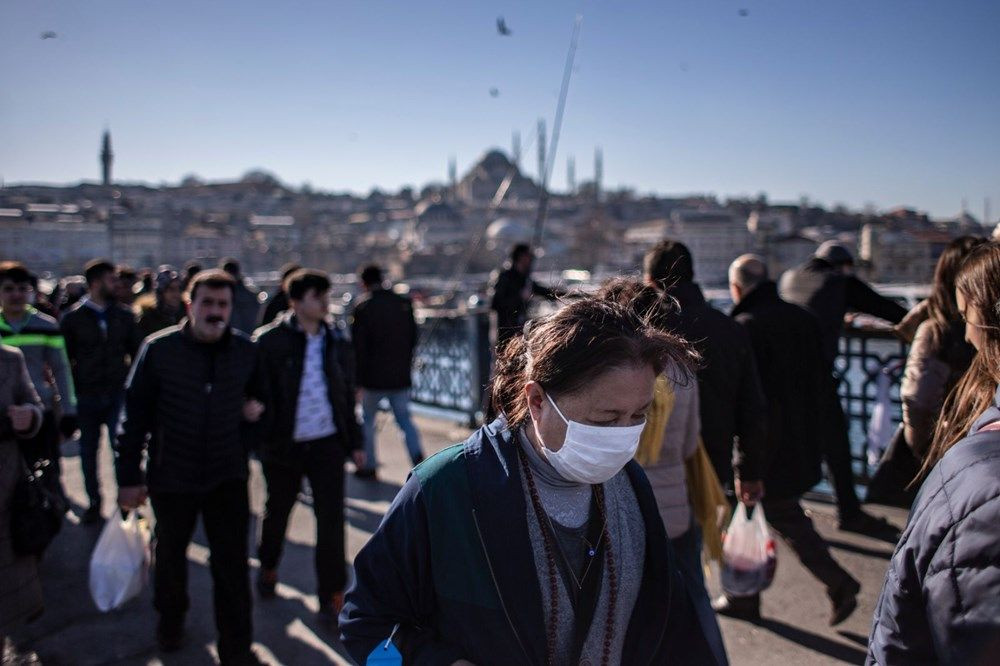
(651, 440)
(708, 501)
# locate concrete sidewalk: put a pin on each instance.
(73, 632)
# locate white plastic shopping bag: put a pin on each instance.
(119, 564)
(880, 427)
(748, 556)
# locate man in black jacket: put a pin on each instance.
(102, 338)
(788, 347)
(732, 402)
(311, 429)
(511, 291)
(384, 333)
(825, 286)
(193, 393)
(278, 302)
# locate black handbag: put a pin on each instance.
(37, 508)
(890, 484)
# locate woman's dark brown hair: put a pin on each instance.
(978, 280)
(567, 350)
(942, 310)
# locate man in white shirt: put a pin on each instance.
(310, 429)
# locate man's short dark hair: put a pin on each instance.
(371, 275)
(16, 272)
(95, 269)
(231, 266)
(518, 251)
(126, 273)
(304, 280)
(213, 278)
(669, 262)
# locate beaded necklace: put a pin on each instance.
(549, 547)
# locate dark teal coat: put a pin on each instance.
(452, 566)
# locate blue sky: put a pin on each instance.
(880, 101)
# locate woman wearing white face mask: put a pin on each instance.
(538, 540)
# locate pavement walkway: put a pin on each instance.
(73, 632)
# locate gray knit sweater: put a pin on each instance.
(567, 503)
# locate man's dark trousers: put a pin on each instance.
(225, 514)
(93, 411)
(322, 462)
(789, 519)
(837, 453)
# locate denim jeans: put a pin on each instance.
(399, 403)
(93, 411)
(687, 547)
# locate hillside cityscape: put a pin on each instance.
(447, 229)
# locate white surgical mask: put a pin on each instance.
(592, 454)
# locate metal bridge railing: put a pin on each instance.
(453, 360)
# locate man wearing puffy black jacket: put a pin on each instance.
(310, 429)
(940, 602)
(193, 393)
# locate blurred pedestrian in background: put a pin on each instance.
(101, 341)
(826, 286)
(384, 334)
(788, 346)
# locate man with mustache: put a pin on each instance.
(194, 393)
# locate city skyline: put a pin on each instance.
(855, 104)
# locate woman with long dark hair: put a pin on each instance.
(940, 602)
(538, 540)
(939, 355)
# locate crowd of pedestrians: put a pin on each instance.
(568, 529)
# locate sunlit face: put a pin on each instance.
(209, 312)
(15, 296)
(975, 333)
(313, 305)
(619, 398)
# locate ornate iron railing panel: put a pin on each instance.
(864, 355)
(453, 364)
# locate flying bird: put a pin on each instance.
(502, 27)
(494, 92)
(744, 12)
(48, 34)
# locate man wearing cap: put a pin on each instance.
(166, 309)
(826, 286)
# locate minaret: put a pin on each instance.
(541, 152)
(571, 174)
(107, 157)
(516, 149)
(598, 172)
